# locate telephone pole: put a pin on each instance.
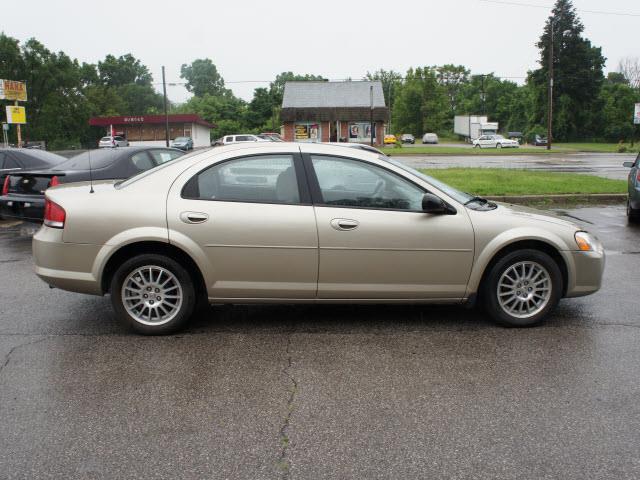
(166, 115)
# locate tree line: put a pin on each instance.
(64, 93)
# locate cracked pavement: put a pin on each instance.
(303, 392)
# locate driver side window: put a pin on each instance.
(352, 183)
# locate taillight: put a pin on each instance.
(54, 181)
(54, 214)
(637, 177)
(5, 186)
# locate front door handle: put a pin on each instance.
(194, 217)
(344, 224)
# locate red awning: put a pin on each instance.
(149, 119)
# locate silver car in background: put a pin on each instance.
(111, 142)
(275, 222)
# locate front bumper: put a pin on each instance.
(586, 274)
(68, 266)
(22, 207)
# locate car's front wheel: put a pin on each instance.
(522, 288)
(153, 294)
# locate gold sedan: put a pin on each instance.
(304, 223)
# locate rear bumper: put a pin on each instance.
(68, 266)
(22, 207)
(588, 268)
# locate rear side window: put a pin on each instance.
(163, 156)
(258, 179)
(141, 161)
(228, 139)
(244, 138)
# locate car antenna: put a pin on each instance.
(90, 172)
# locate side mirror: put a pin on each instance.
(434, 205)
(628, 164)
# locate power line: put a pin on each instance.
(547, 7)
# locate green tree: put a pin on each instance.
(202, 78)
(618, 99)
(453, 78)
(123, 70)
(421, 104)
(578, 77)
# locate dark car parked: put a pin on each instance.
(539, 141)
(16, 160)
(23, 193)
(633, 200)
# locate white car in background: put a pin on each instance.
(109, 142)
(430, 138)
(243, 138)
(495, 141)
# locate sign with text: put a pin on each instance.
(16, 115)
(636, 114)
(12, 90)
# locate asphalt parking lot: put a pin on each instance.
(322, 391)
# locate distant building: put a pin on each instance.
(150, 129)
(317, 111)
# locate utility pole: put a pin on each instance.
(550, 93)
(483, 96)
(371, 126)
(166, 115)
(19, 129)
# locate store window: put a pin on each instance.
(360, 132)
(307, 132)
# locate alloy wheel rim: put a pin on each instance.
(152, 295)
(524, 289)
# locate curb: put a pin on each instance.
(564, 198)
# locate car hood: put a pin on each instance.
(527, 213)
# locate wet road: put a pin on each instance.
(322, 392)
(601, 164)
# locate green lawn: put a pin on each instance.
(596, 147)
(498, 181)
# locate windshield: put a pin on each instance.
(181, 139)
(457, 195)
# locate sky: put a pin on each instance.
(252, 41)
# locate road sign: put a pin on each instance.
(12, 90)
(16, 115)
(636, 114)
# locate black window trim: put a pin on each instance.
(303, 185)
(316, 193)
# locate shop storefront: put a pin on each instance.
(333, 112)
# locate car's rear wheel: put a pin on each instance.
(522, 288)
(153, 294)
(633, 215)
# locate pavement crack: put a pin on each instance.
(283, 460)
(7, 357)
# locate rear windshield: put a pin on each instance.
(36, 158)
(105, 139)
(181, 139)
(98, 158)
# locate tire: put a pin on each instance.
(477, 145)
(541, 299)
(498, 145)
(168, 281)
(633, 215)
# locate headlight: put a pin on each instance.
(587, 242)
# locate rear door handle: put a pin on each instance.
(344, 224)
(194, 217)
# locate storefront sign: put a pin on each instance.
(636, 114)
(16, 115)
(302, 132)
(12, 90)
